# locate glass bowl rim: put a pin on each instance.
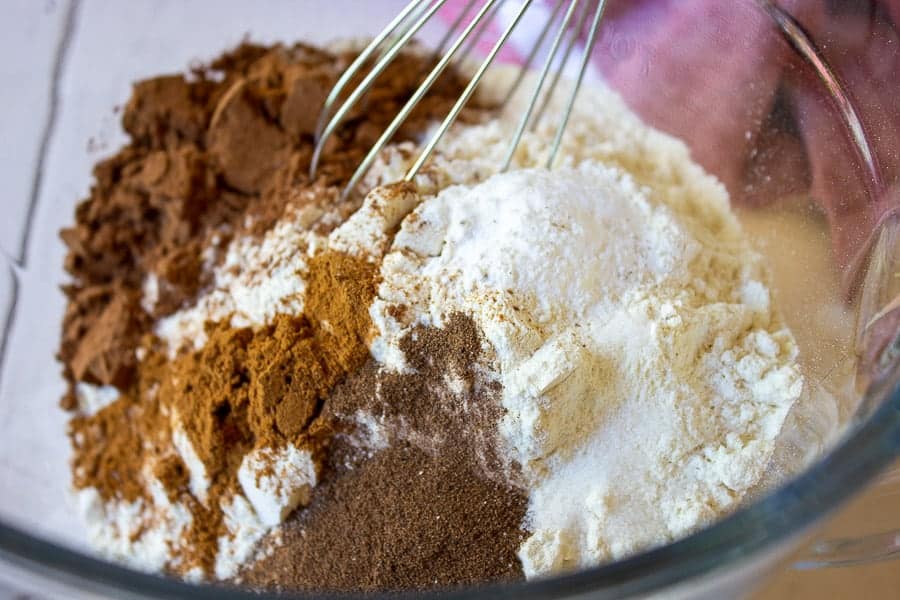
(789, 510)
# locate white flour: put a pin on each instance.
(143, 535)
(646, 374)
(256, 281)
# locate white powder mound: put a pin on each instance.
(276, 481)
(245, 531)
(198, 481)
(257, 280)
(645, 372)
(145, 536)
(149, 535)
(94, 398)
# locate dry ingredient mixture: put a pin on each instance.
(470, 378)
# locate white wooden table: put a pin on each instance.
(65, 64)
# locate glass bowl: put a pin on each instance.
(820, 137)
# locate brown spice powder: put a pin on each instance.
(244, 389)
(213, 155)
(429, 511)
(226, 152)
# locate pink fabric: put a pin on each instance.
(865, 55)
(719, 68)
(697, 54)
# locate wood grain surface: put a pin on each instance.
(65, 65)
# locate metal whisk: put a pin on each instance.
(389, 43)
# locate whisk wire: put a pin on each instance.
(585, 59)
(414, 100)
(574, 34)
(439, 49)
(523, 122)
(361, 58)
(466, 95)
(367, 83)
(390, 42)
(483, 25)
(539, 42)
